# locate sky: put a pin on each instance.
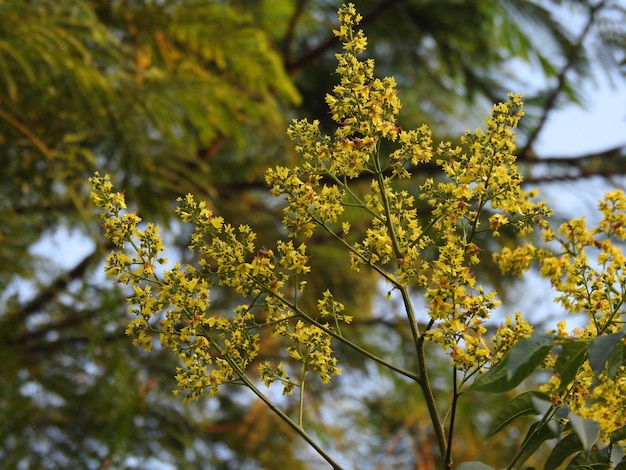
(574, 131)
(601, 124)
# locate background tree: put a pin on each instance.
(188, 96)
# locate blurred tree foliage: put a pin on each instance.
(194, 96)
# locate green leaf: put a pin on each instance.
(494, 380)
(525, 356)
(587, 430)
(618, 435)
(474, 466)
(601, 349)
(616, 360)
(523, 404)
(613, 453)
(570, 359)
(563, 449)
(537, 434)
(559, 421)
(521, 361)
(589, 461)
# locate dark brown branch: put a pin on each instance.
(550, 102)
(610, 162)
(51, 347)
(331, 42)
(49, 293)
(291, 31)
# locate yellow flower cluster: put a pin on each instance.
(509, 333)
(583, 284)
(483, 178)
(361, 104)
(480, 178)
(596, 287)
(311, 346)
(215, 348)
(479, 193)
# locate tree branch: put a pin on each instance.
(291, 31)
(550, 102)
(311, 56)
(610, 162)
(49, 293)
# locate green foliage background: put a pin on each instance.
(195, 96)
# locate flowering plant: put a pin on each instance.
(434, 254)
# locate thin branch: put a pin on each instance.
(49, 293)
(550, 102)
(280, 413)
(455, 398)
(291, 31)
(609, 162)
(418, 337)
(302, 314)
(312, 55)
(37, 142)
(431, 403)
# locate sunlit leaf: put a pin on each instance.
(616, 360)
(521, 361)
(618, 435)
(526, 355)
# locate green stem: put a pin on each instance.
(359, 202)
(338, 337)
(431, 404)
(544, 420)
(301, 397)
(410, 312)
(281, 414)
(387, 210)
(455, 398)
(418, 338)
(350, 248)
